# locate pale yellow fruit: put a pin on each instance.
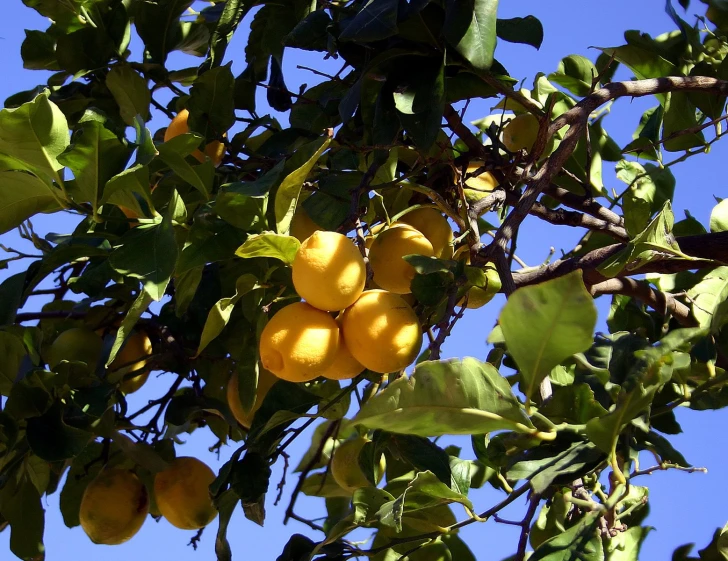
(78, 344)
(183, 495)
(485, 182)
(215, 150)
(329, 271)
(299, 342)
(520, 133)
(345, 465)
(434, 227)
(391, 271)
(302, 226)
(265, 383)
(133, 358)
(479, 297)
(382, 331)
(113, 507)
(345, 366)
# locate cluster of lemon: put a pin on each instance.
(116, 503)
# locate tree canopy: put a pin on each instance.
(186, 237)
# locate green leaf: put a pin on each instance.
(644, 63)
(425, 455)
(545, 324)
(159, 26)
(269, 244)
(377, 20)
(225, 505)
(147, 253)
(52, 439)
(130, 92)
(38, 51)
(576, 74)
(34, 135)
(21, 506)
(297, 170)
(470, 27)
(528, 30)
(211, 106)
(138, 307)
(232, 13)
(12, 350)
(95, 156)
(220, 313)
(84, 468)
(141, 453)
(625, 546)
(680, 114)
(120, 189)
(22, 196)
(649, 188)
(581, 542)
(574, 404)
(446, 397)
(173, 153)
(708, 299)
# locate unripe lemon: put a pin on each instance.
(382, 331)
(329, 271)
(215, 150)
(479, 297)
(345, 366)
(113, 507)
(434, 227)
(391, 272)
(302, 226)
(299, 342)
(76, 344)
(265, 383)
(345, 465)
(183, 495)
(133, 358)
(520, 133)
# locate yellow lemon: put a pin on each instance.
(78, 344)
(479, 297)
(302, 226)
(299, 343)
(391, 271)
(183, 495)
(434, 227)
(382, 331)
(485, 182)
(520, 133)
(265, 383)
(113, 507)
(215, 150)
(329, 271)
(345, 366)
(345, 465)
(133, 358)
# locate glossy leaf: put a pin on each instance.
(130, 92)
(275, 246)
(527, 30)
(470, 27)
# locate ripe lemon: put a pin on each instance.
(265, 383)
(78, 344)
(113, 507)
(215, 150)
(520, 133)
(391, 272)
(382, 331)
(299, 343)
(345, 465)
(302, 226)
(329, 271)
(182, 493)
(485, 182)
(345, 366)
(434, 227)
(133, 358)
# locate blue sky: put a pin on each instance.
(684, 507)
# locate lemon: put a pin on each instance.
(391, 272)
(345, 465)
(133, 358)
(78, 344)
(485, 182)
(329, 271)
(215, 150)
(299, 342)
(265, 383)
(345, 366)
(382, 331)
(479, 297)
(183, 495)
(520, 133)
(113, 507)
(434, 227)
(302, 226)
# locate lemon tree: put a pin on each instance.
(289, 260)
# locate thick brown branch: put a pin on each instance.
(464, 133)
(660, 301)
(588, 206)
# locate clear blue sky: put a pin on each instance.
(684, 507)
